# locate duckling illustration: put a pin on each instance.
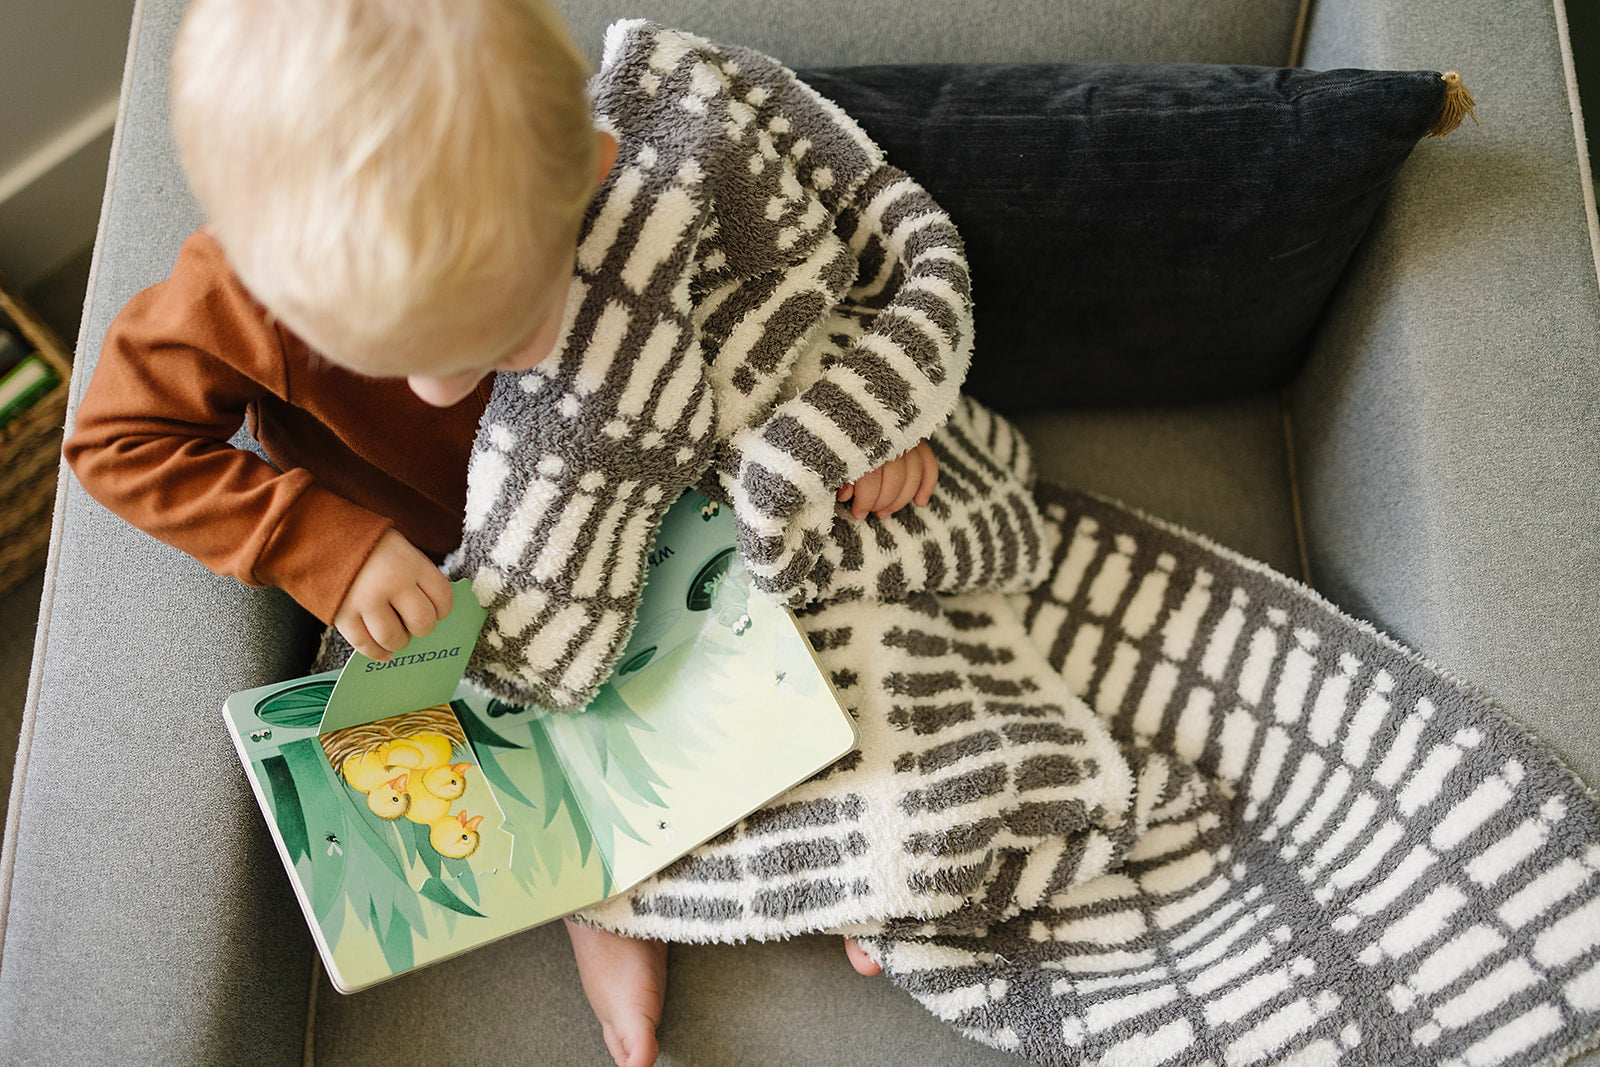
(369, 773)
(427, 806)
(420, 752)
(369, 770)
(446, 782)
(455, 836)
(402, 765)
(390, 800)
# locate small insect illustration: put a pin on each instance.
(261, 735)
(734, 618)
(333, 844)
(781, 680)
(708, 510)
(666, 829)
(499, 707)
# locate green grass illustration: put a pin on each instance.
(568, 810)
(297, 707)
(346, 855)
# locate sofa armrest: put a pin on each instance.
(1448, 422)
(141, 899)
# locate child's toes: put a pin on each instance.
(625, 981)
(859, 959)
(630, 1046)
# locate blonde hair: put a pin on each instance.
(388, 176)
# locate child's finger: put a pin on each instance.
(846, 491)
(386, 628)
(436, 587)
(866, 493)
(911, 464)
(417, 612)
(894, 478)
(355, 631)
(930, 475)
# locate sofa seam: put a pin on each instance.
(1297, 41)
(1285, 407)
(1569, 71)
(308, 1048)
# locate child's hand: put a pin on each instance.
(884, 491)
(398, 594)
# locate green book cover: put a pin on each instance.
(413, 837)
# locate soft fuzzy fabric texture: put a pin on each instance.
(1306, 844)
(761, 305)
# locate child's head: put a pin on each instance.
(399, 181)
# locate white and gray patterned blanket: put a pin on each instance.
(1331, 853)
(1121, 797)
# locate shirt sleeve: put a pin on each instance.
(178, 373)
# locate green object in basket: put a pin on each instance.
(24, 385)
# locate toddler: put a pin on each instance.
(395, 190)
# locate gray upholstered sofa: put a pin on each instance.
(1440, 452)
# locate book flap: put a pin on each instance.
(425, 673)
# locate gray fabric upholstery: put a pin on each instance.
(1219, 469)
(1449, 420)
(518, 1001)
(830, 33)
(1446, 443)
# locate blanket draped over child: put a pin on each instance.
(762, 308)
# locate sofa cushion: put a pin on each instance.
(1143, 233)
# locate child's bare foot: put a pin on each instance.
(626, 981)
(860, 960)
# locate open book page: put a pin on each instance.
(418, 836)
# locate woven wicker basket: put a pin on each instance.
(30, 453)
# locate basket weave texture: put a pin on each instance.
(30, 453)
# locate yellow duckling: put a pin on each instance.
(369, 770)
(455, 836)
(420, 752)
(425, 808)
(432, 791)
(446, 782)
(390, 800)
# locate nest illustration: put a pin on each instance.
(355, 741)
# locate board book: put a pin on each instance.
(419, 817)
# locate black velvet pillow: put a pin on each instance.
(1143, 233)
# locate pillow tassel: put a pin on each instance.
(1458, 104)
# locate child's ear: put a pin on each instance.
(608, 154)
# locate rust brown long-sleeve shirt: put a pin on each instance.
(190, 360)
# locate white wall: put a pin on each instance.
(60, 71)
